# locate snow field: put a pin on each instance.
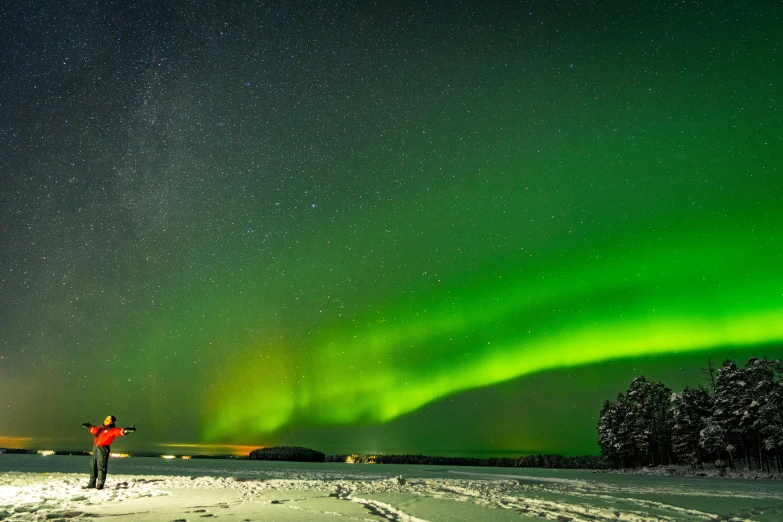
(59, 496)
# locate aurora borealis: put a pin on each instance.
(420, 227)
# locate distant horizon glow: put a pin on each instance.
(208, 449)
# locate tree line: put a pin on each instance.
(287, 453)
(525, 461)
(736, 421)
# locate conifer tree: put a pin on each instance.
(690, 410)
(769, 413)
(636, 429)
(610, 438)
(723, 431)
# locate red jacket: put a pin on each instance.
(104, 437)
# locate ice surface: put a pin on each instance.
(49, 488)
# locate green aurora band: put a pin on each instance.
(690, 292)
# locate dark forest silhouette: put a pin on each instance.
(287, 453)
(554, 461)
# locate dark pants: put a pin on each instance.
(99, 462)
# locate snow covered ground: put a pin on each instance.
(708, 471)
(33, 487)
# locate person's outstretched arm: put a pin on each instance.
(94, 430)
(125, 431)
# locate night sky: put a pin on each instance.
(426, 227)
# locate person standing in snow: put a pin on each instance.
(104, 436)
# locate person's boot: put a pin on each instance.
(89, 486)
(99, 486)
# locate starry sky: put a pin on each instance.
(425, 227)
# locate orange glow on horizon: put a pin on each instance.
(234, 449)
(15, 442)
